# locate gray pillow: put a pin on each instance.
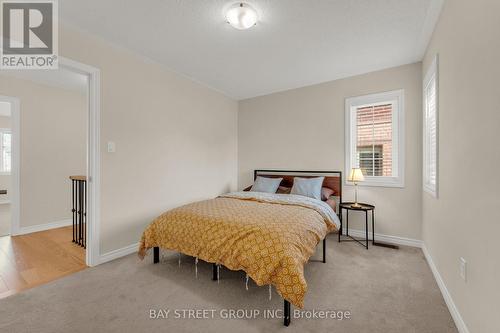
(264, 184)
(309, 187)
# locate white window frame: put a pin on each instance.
(432, 73)
(396, 98)
(4, 130)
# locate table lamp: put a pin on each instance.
(356, 176)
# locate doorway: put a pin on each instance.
(90, 168)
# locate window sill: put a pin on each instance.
(431, 191)
(2, 173)
(386, 182)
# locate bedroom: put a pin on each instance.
(186, 107)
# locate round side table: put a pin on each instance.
(363, 207)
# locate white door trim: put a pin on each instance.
(93, 158)
(15, 164)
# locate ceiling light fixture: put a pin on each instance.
(241, 16)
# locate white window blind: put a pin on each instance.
(374, 137)
(430, 130)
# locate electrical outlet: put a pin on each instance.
(463, 269)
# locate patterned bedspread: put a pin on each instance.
(269, 236)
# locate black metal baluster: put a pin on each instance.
(77, 211)
(84, 214)
(73, 210)
(81, 209)
(80, 212)
(77, 205)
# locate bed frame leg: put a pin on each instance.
(214, 272)
(324, 250)
(286, 310)
(156, 255)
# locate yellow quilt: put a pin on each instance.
(269, 236)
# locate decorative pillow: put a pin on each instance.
(326, 193)
(309, 187)
(264, 184)
(332, 204)
(284, 190)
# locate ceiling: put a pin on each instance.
(295, 43)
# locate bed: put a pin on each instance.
(268, 236)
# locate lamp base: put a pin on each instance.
(356, 205)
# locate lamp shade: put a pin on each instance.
(356, 175)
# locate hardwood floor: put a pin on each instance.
(30, 260)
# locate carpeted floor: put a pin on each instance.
(384, 290)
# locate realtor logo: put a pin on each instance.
(29, 34)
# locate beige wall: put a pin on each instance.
(176, 140)
(464, 221)
(53, 146)
(304, 129)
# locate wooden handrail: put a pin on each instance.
(84, 178)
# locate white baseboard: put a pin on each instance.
(459, 321)
(118, 253)
(386, 238)
(42, 227)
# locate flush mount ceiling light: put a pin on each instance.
(241, 16)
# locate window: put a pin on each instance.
(5, 151)
(430, 130)
(374, 137)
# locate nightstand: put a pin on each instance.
(348, 206)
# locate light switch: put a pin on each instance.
(111, 147)
(463, 269)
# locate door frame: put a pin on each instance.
(14, 166)
(93, 158)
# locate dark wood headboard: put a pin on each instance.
(333, 179)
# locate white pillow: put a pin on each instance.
(308, 187)
(264, 184)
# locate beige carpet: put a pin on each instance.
(385, 291)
